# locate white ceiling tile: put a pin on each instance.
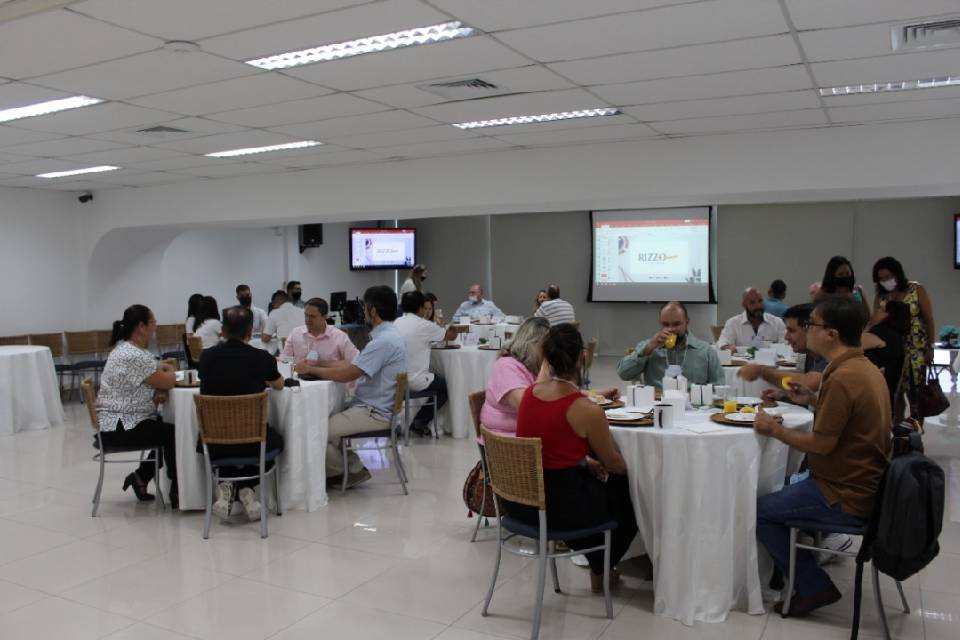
(516, 105)
(306, 161)
(237, 93)
(44, 165)
(586, 134)
(231, 169)
(897, 110)
(892, 96)
(127, 155)
(759, 121)
(63, 147)
(789, 101)
(717, 85)
(192, 127)
(227, 141)
(56, 40)
(156, 177)
(178, 162)
(521, 79)
(145, 73)
(645, 30)
(755, 53)
(441, 60)
(18, 94)
(95, 119)
(297, 111)
(912, 66)
(24, 181)
(10, 135)
(444, 147)
(80, 186)
(812, 14)
(410, 136)
(850, 42)
(7, 158)
(192, 20)
(204, 126)
(339, 26)
(494, 15)
(350, 125)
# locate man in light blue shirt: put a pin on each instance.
(774, 304)
(376, 368)
(689, 355)
(476, 307)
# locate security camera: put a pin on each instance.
(86, 196)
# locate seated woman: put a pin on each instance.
(884, 345)
(208, 322)
(584, 476)
(131, 386)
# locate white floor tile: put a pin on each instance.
(143, 631)
(53, 617)
(14, 596)
(22, 540)
(345, 620)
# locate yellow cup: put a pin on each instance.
(729, 406)
(671, 341)
(785, 382)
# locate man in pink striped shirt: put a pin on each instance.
(316, 342)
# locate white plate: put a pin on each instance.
(776, 411)
(741, 417)
(748, 400)
(618, 414)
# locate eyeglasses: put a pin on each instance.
(810, 323)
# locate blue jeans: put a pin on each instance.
(800, 501)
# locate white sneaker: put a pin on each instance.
(221, 506)
(834, 542)
(248, 498)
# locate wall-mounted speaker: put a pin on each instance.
(311, 235)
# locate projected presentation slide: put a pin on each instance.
(382, 249)
(651, 255)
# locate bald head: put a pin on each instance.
(673, 316)
(752, 303)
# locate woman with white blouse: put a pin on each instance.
(133, 383)
(193, 302)
(208, 322)
(414, 281)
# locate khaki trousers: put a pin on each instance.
(346, 423)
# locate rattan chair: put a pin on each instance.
(9, 341)
(54, 342)
(192, 349)
(476, 404)
(84, 356)
(167, 337)
(90, 399)
(588, 354)
(388, 433)
(237, 420)
(516, 474)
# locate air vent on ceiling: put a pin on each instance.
(466, 89)
(926, 35)
(162, 130)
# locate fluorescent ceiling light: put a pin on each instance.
(882, 87)
(50, 106)
(303, 144)
(77, 172)
(545, 117)
(372, 44)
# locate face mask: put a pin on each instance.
(245, 300)
(474, 298)
(889, 285)
(846, 282)
(295, 296)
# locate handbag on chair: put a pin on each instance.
(931, 401)
(477, 494)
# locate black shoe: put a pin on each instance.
(800, 607)
(139, 487)
(776, 580)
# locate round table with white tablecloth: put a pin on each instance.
(300, 414)
(694, 490)
(29, 389)
(466, 370)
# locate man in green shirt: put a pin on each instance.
(671, 351)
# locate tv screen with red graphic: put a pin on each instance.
(382, 249)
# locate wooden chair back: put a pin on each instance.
(476, 404)
(103, 340)
(6, 341)
(516, 468)
(232, 419)
(589, 352)
(53, 341)
(399, 393)
(195, 345)
(81, 343)
(716, 331)
(168, 335)
(90, 399)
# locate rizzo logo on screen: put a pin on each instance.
(658, 258)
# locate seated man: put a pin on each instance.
(316, 341)
(688, 355)
(795, 319)
(775, 294)
(476, 307)
(555, 309)
(418, 333)
(751, 327)
(234, 368)
(376, 368)
(847, 450)
(283, 319)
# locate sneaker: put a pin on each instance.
(834, 542)
(221, 506)
(248, 498)
(353, 479)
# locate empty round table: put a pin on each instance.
(29, 390)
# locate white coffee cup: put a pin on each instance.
(662, 416)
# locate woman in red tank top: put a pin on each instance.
(584, 474)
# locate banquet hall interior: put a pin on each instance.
(616, 155)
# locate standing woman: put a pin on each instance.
(541, 298)
(839, 280)
(892, 284)
(131, 386)
(414, 281)
(208, 322)
(193, 305)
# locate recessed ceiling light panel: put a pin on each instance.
(544, 117)
(372, 44)
(44, 108)
(77, 172)
(883, 87)
(303, 144)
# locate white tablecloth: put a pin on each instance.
(301, 415)
(695, 497)
(487, 330)
(466, 371)
(29, 390)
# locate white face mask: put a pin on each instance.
(474, 298)
(889, 285)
